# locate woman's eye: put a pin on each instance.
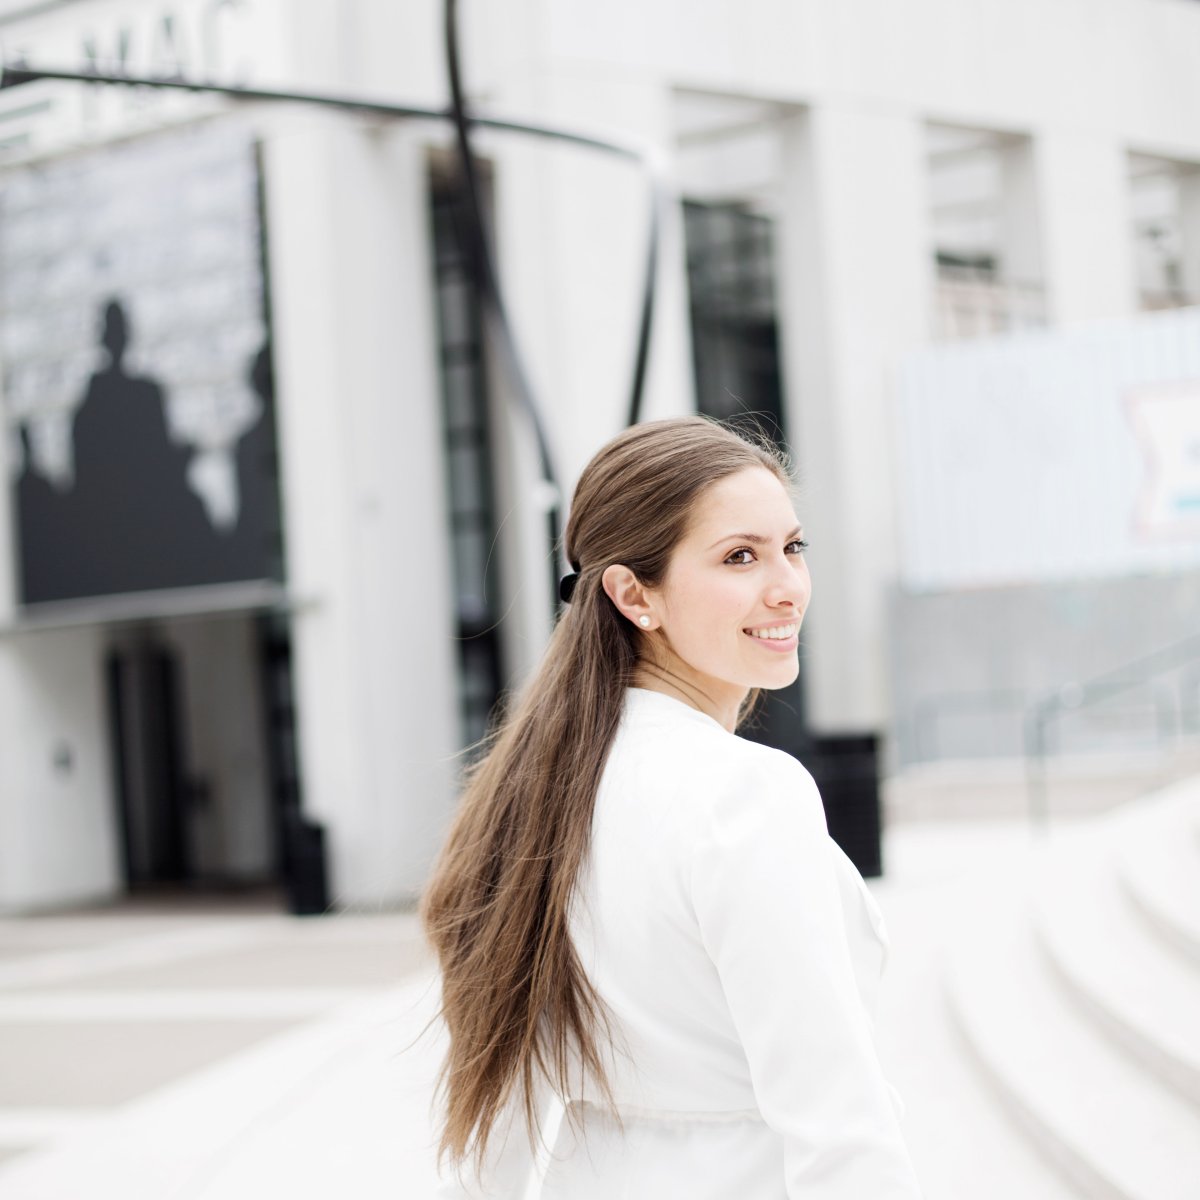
(800, 546)
(739, 561)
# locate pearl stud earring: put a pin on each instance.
(644, 621)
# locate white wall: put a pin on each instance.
(1126, 67)
(58, 822)
(1189, 228)
(1087, 222)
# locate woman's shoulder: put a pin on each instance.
(695, 754)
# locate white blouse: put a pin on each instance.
(739, 953)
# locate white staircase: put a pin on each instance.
(1079, 1003)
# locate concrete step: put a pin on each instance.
(1158, 864)
(1133, 987)
(933, 882)
(1105, 1122)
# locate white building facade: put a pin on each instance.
(922, 170)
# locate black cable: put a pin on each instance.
(483, 265)
(480, 249)
(486, 276)
(17, 74)
(646, 320)
(14, 75)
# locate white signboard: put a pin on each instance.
(1166, 418)
(1051, 455)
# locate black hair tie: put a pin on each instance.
(566, 586)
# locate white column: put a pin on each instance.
(58, 821)
(365, 517)
(854, 283)
(1087, 231)
(58, 824)
(1021, 225)
(10, 469)
(1189, 231)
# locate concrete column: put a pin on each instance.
(854, 292)
(1020, 225)
(10, 470)
(58, 824)
(1189, 231)
(1083, 183)
(366, 525)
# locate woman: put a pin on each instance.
(641, 916)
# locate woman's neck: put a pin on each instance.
(722, 702)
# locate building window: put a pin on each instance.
(1165, 199)
(986, 247)
(735, 354)
(468, 456)
(735, 344)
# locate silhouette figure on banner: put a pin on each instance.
(131, 523)
(257, 542)
(40, 508)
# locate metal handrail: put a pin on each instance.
(1073, 697)
(928, 711)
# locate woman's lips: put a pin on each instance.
(769, 636)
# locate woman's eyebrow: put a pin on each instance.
(755, 539)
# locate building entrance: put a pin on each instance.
(191, 736)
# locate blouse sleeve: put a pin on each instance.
(769, 910)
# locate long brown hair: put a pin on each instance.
(515, 998)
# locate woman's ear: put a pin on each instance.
(629, 596)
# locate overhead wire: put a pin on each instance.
(487, 278)
(14, 74)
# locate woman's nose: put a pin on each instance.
(789, 583)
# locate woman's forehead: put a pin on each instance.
(749, 501)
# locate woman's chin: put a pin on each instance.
(783, 676)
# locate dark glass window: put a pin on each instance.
(735, 355)
(731, 282)
(468, 457)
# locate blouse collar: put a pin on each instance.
(668, 706)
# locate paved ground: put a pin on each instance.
(144, 1049)
(221, 1053)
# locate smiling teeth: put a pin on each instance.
(779, 634)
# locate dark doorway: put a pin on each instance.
(203, 736)
(151, 788)
(735, 341)
(300, 850)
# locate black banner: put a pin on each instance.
(137, 372)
